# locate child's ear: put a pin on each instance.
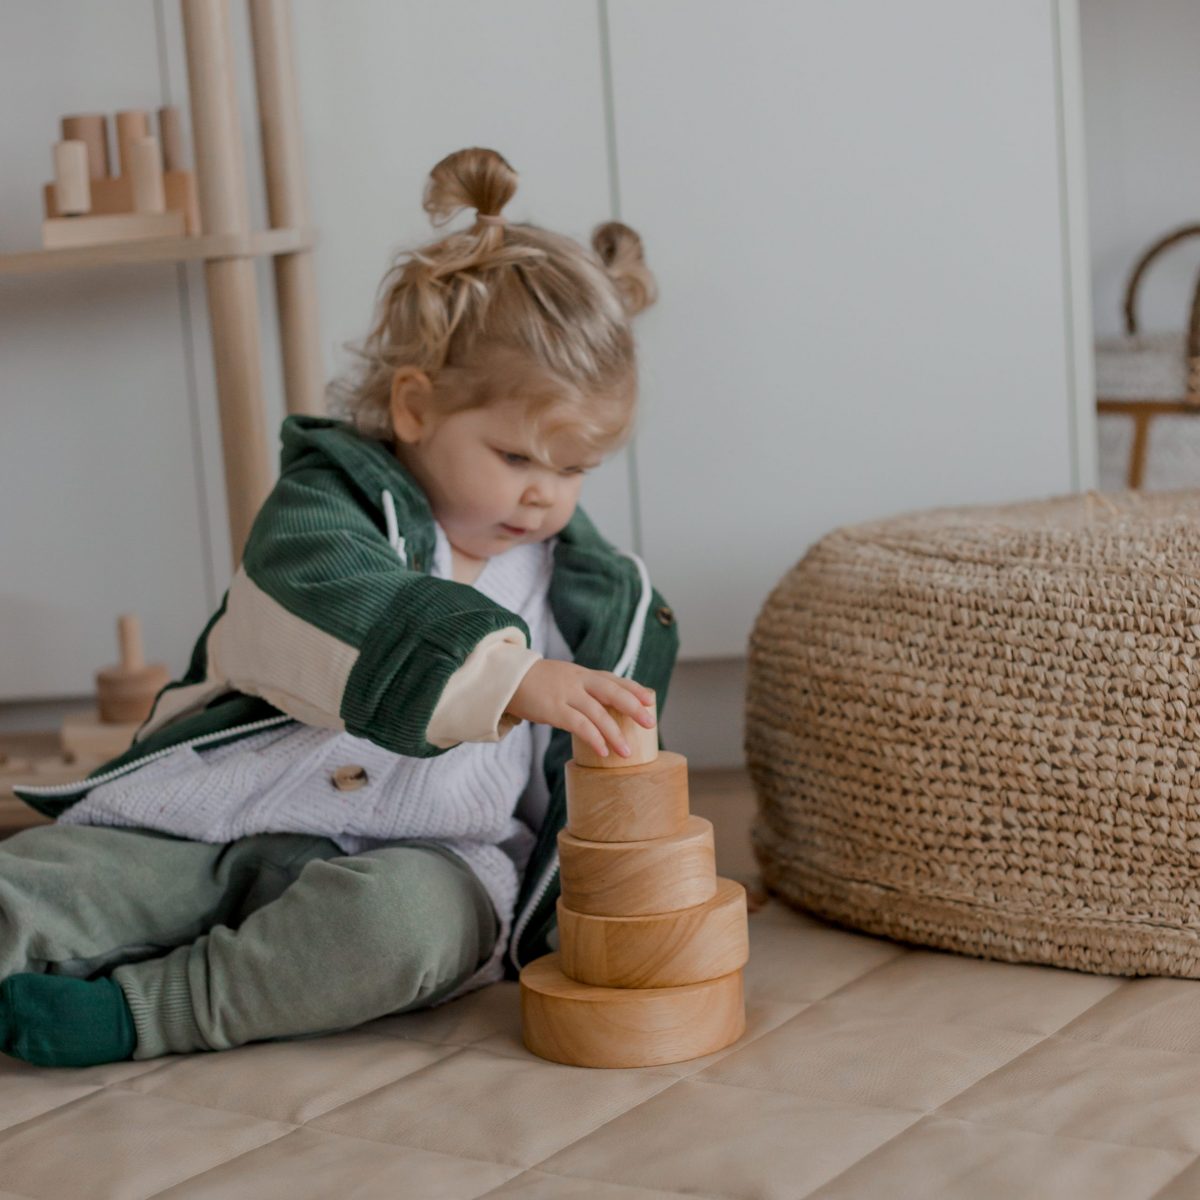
(412, 392)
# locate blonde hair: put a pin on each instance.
(483, 309)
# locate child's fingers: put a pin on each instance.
(625, 696)
(644, 694)
(595, 711)
(579, 725)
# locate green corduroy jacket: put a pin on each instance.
(333, 619)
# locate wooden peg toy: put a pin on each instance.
(72, 185)
(132, 124)
(146, 172)
(92, 130)
(126, 691)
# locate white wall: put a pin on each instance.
(1141, 97)
(862, 244)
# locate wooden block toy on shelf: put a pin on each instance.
(58, 232)
(651, 942)
(151, 183)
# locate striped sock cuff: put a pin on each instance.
(159, 997)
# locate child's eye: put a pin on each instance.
(516, 460)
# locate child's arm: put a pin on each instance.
(324, 621)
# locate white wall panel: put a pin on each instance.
(99, 488)
(854, 210)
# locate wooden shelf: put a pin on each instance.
(264, 243)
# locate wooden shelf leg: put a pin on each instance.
(295, 281)
(232, 293)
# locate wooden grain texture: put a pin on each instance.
(643, 743)
(629, 879)
(60, 232)
(663, 950)
(585, 1026)
(628, 804)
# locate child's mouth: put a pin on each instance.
(514, 530)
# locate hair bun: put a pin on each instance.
(474, 178)
(621, 251)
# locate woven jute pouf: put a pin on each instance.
(979, 729)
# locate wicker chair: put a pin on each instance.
(978, 729)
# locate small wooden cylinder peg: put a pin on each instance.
(170, 134)
(586, 1026)
(633, 879)
(660, 950)
(92, 130)
(131, 124)
(146, 172)
(643, 744)
(72, 186)
(126, 692)
(628, 804)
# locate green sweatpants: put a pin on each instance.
(273, 936)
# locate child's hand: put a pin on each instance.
(574, 698)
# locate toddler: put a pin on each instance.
(348, 805)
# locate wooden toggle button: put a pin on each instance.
(661, 950)
(629, 879)
(628, 804)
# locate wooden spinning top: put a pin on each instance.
(125, 692)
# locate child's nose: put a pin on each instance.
(537, 497)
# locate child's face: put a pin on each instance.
(485, 488)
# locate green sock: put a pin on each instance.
(59, 1021)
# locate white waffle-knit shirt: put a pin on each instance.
(282, 780)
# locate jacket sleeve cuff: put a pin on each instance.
(472, 704)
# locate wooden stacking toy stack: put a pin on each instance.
(151, 195)
(651, 942)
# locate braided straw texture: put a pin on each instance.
(977, 729)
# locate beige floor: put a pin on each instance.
(868, 1069)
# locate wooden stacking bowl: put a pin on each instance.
(663, 950)
(628, 804)
(586, 1026)
(630, 879)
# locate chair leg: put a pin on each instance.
(1137, 453)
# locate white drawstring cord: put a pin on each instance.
(637, 626)
(393, 527)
